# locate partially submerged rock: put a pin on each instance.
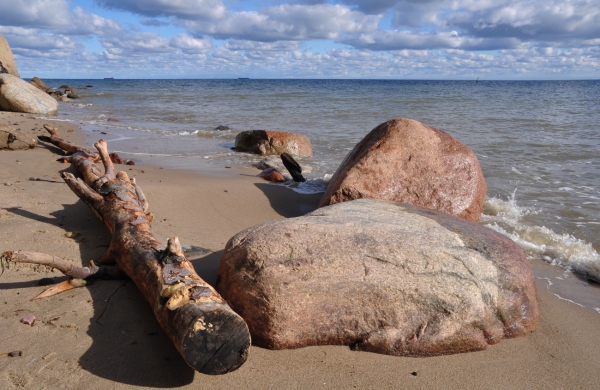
(13, 140)
(272, 175)
(379, 276)
(18, 95)
(406, 161)
(266, 142)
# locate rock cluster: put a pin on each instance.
(379, 276)
(406, 161)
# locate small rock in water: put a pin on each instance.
(29, 320)
(222, 128)
(272, 175)
(113, 120)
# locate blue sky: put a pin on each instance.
(398, 39)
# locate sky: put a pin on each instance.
(365, 39)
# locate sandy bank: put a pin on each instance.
(105, 336)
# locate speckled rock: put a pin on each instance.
(266, 142)
(19, 96)
(7, 58)
(379, 276)
(406, 161)
(13, 140)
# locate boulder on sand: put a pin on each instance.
(7, 58)
(13, 140)
(19, 96)
(265, 142)
(379, 276)
(406, 161)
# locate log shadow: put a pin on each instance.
(287, 202)
(128, 345)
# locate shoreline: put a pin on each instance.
(106, 336)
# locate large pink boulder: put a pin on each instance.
(406, 161)
(266, 142)
(379, 276)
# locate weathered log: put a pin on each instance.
(209, 335)
(293, 167)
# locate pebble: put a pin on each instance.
(29, 320)
(8, 184)
(70, 234)
(15, 353)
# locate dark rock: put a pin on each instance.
(72, 93)
(64, 87)
(113, 120)
(273, 142)
(222, 128)
(130, 162)
(379, 276)
(293, 167)
(115, 158)
(406, 161)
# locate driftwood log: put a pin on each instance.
(211, 337)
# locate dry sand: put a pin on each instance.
(104, 336)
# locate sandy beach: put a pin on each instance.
(104, 336)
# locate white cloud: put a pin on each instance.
(398, 40)
(184, 9)
(55, 16)
(287, 22)
(189, 44)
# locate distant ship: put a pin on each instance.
(243, 78)
(477, 80)
(109, 78)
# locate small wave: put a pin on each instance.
(564, 250)
(308, 187)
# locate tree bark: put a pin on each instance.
(210, 336)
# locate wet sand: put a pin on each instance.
(104, 336)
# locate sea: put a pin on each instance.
(538, 143)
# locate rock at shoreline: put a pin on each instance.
(266, 142)
(19, 96)
(71, 93)
(12, 140)
(222, 128)
(272, 175)
(379, 276)
(7, 58)
(406, 161)
(39, 84)
(115, 158)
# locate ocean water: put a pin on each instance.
(538, 142)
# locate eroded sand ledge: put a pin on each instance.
(106, 336)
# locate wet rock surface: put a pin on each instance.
(406, 161)
(265, 142)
